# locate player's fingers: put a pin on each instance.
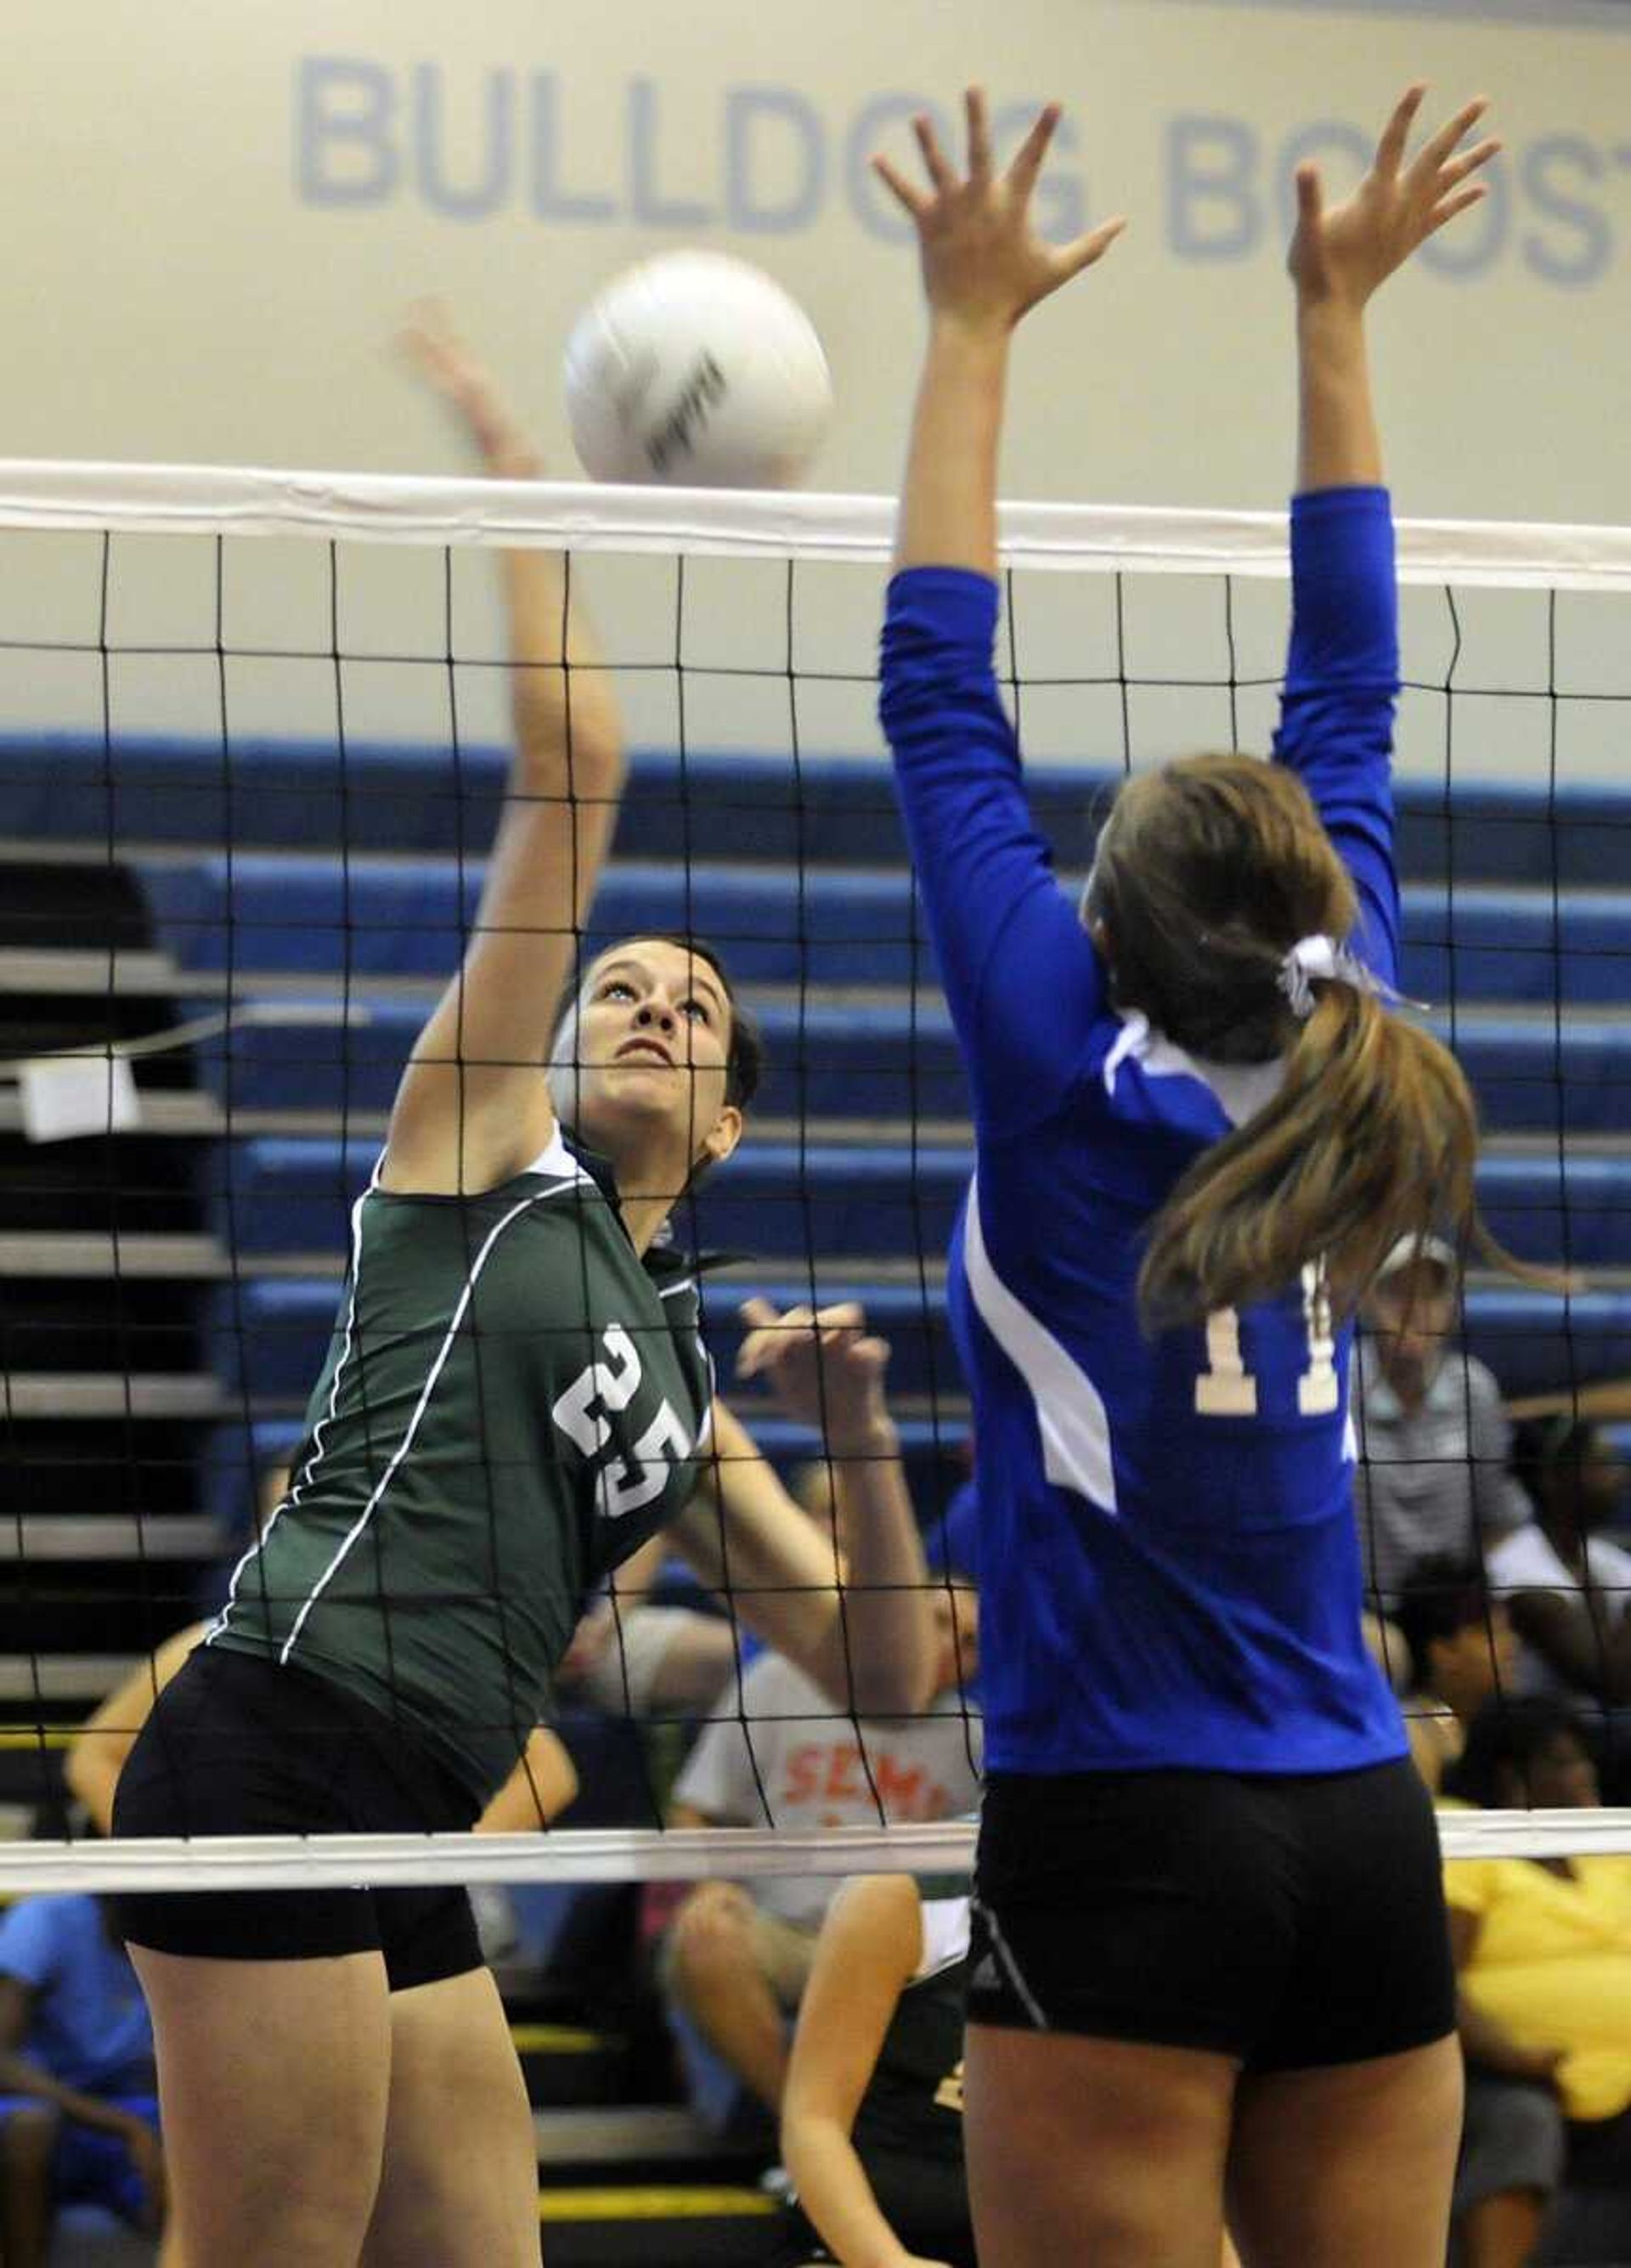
(979, 126)
(1439, 146)
(846, 1314)
(1396, 133)
(1088, 249)
(1473, 161)
(1028, 158)
(934, 157)
(1462, 202)
(1311, 197)
(756, 1312)
(900, 189)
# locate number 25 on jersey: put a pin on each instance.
(584, 1414)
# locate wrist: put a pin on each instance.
(975, 333)
(874, 1438)
(1330, 317)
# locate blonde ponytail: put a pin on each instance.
(1372, 1136)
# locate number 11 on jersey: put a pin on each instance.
(1226, 1388)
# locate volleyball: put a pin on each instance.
(697, 370)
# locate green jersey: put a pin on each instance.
(513, 1402)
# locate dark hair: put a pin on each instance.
(745, 1058)
(1543, 1447)
(1508, 1736)
(1442, 1597)
(1207, 872)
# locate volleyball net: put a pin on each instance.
(252, 740)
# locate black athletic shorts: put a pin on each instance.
(236, 1746)
(1289, 1922)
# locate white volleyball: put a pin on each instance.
(698, 371)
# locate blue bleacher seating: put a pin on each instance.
(296, 795)
(779, 1201)
(892, 1060)
(410, 917)
(270, 1336)
(798, 874)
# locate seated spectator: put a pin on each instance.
(1432, 1479)
(1462, 1654)
(1543, 1950)
(1568, 1588)
(872, 2116)
(736, 1959)
(79, 2098)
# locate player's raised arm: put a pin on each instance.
(874, 1648)
(1017, 968)
(1342, 673)
(1338, 261)
(473, 1106)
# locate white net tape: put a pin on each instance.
(377, 508)
(643, 1855)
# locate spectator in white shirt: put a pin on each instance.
(1568, 1588)
(1432, 1481)
(737, 1957)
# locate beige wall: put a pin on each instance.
(214, 214)
(172, 287)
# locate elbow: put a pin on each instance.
(93, 1786)
(902, 1686)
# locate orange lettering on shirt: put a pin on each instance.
(842, 1770)
(803, 1771)
(900, 1789)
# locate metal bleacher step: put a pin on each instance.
(693, 2226)
(58, 1395)
(190, 1114)
(62, 1678)
(77, 1538)
(621, 2134)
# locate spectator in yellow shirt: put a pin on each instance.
(1543, 1946)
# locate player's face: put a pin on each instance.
(645, 1053)
(1412, 1314)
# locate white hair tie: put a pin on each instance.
(1321, 959)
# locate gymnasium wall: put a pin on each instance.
(215, 216)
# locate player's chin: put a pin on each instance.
(637, 1097)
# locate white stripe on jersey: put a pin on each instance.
(945, 1936)
(1071, 1416)
(316, 1459)
(541, 1197)
(1242, 1089)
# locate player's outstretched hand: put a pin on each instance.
(432, 345)
(982, 262)
(1345, 253)
(824, 1368)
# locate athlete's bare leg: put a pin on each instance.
(1349, 2165)
(273, 2078)
(460, 2181)
(1096, 2150)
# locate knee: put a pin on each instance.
(1528, 2139)
(710, 1941)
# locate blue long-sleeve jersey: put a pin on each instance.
(1169, 1565)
